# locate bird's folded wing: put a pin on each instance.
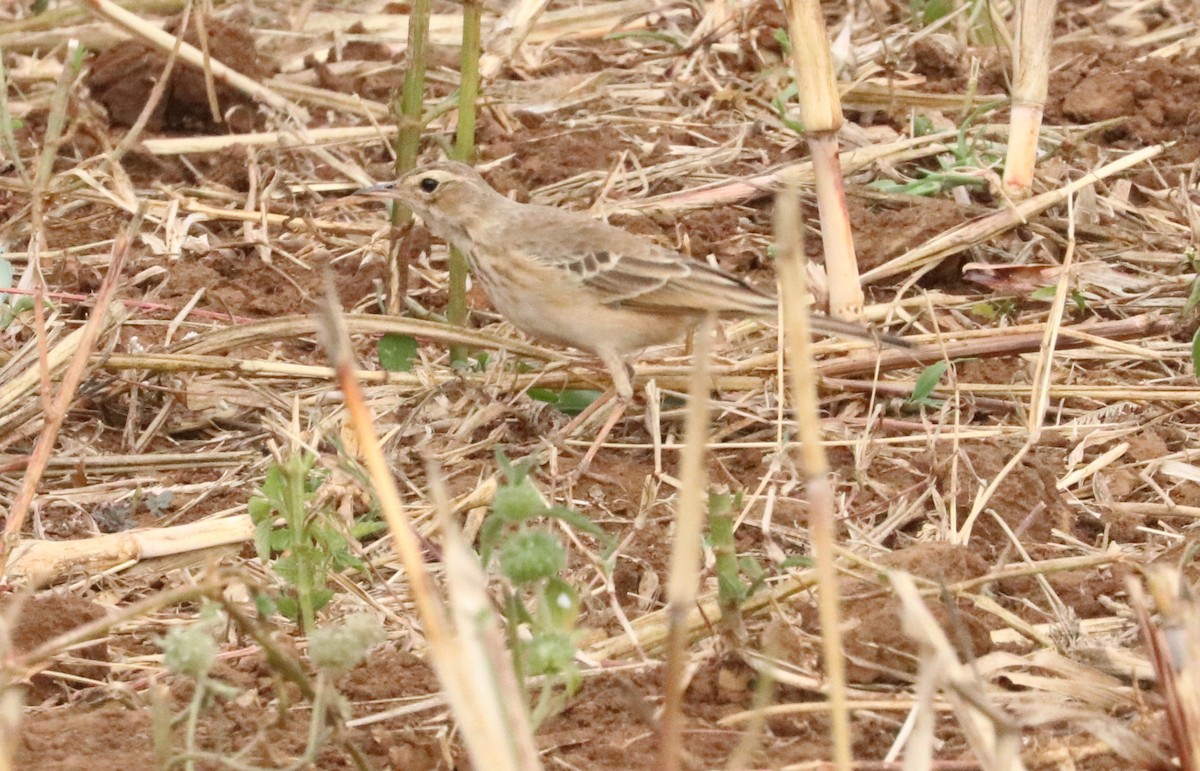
(629, 271)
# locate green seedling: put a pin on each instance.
(571, 401)
(1046, 294)
(397, 352)
(308, 545)
(737, 579)
(191, 651)
(961, 167)
(10, 308)
(922, 395)
(998, 308)
(980, 28)
(540, 607)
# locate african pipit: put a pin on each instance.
(569, 279)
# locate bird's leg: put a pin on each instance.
(622, 377)
(618, 412)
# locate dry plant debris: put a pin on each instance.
(1017, 497)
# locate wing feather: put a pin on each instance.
(628, 271)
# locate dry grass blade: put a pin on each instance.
(992, 735)
(478, 673)
(466, 658)
(1174, 643)
(937, 249)
(821, 112)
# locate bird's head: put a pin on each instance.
(446, 195)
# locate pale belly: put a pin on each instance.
(572, 318)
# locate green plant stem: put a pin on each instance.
(295, 473)
(729, 586)
(194, 707)
(464, 150)
(408, 141)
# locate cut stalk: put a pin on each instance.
(408, 142)
(821, 112)
(464, 150)
(1031, 71)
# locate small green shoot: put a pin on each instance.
(1046, 294)
(397, 352)
(802, 561)
(998, 308)
(310, 543)
(1193, 299)
(10, 308)
(930, 11)
(960, 167)
(732, 588)
(927, 381)
(571, 401)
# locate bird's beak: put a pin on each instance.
(382, 190)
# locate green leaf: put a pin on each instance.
(1193, 297)
(561, 603)
(784, 41)
(280, 540)
(288, 607)
(321, 598)
(1044, 293)
(396, 352)
(259, 509)
(578, 522)
(262, 539)
(361, 530)
(273, 487)
(285, 568)
(571, 401)
(264, 605)
(927, 381)
(985, 310)
(6, 274)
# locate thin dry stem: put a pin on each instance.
(815, 464)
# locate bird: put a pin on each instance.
(567, 278)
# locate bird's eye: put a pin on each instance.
(429, 184)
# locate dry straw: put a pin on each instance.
(1031, 75)
(821, 112)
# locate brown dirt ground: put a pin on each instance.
(85, 713)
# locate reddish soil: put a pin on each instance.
(84, 712)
